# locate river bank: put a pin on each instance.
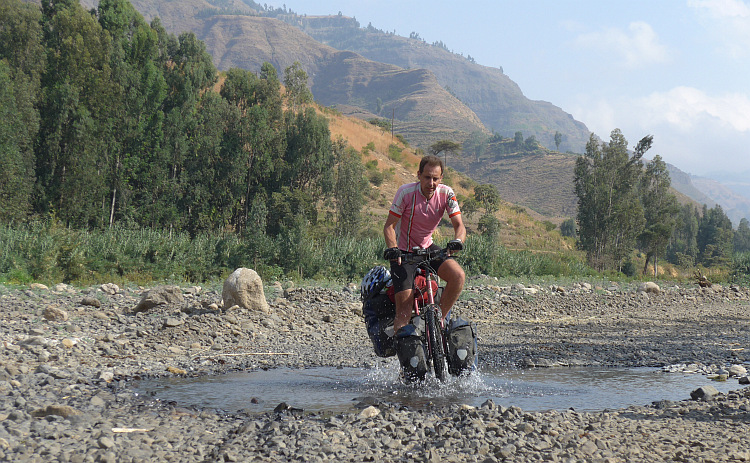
(69, 357)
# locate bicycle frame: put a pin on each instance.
(435, 334)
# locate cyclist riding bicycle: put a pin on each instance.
(414, 215)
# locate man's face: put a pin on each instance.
(429, 179)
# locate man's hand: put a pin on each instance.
(454, 246)
(392, 254)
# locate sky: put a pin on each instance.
(675, 69)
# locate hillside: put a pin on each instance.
(456, 97)
(520, 229)
(492, 95)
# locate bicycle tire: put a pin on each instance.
(435, 341)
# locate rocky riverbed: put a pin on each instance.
(69, 358)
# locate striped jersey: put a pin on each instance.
(419, 216)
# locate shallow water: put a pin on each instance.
(335, 390)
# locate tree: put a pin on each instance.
(76, 109)
(488, 196)
(682, 249)
(610, 215)
(295, 81)
(742, 236)
(660, 208)
(489, 226)
(558, 140)
(350, 187)
(568, 228)
(476, 144)
(22, 61)
(446, 146)
(715, 237)
(308, 157)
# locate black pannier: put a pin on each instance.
(379, 313)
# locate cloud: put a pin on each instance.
(685, 108)
(636, 47)
(729, 21)
(693, 130)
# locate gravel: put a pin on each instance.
(69, 358)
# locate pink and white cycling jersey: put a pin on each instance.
(419, 216)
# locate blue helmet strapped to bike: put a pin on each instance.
(375, 280)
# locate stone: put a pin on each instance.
(106, 442)
(39, 287)
(91, 302)
(171, 322)
(369, 412)
(176, 371)
(69, 343)
(737, 370)
(649, 287)
(244, 288)
(110, 288)
(161, 295)
(704, 393)
(55, 314)
(56, 409)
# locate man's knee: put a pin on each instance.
(453, 273)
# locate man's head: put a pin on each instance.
(430, 174)
(433, 161)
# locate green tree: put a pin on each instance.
(135, 126)
(295, 81)
(660, 208)
(488, 196)
(22, 61)
(349, 193)
(742, 237)
(476, 144)
(445, 146)
(610, 215)
(558, 140)
(568, 228)
(489, 226)
(308, 159)
(469, 206)
(715, 237)
(75, 109)
(682, 249)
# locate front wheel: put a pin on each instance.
(435, 341)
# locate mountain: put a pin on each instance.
(492, 95)
(735, 206)
(431, 92)
(428, 91)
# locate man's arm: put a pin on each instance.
(459, 231)
(389, 231)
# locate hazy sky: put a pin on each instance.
(675, 69)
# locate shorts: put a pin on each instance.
(403, 275)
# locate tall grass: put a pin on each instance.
(50, 252)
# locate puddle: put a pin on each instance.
(337, 390)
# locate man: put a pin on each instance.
(414, 215)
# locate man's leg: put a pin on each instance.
(454, 278)
(403, 308)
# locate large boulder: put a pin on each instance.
(244, 288)
(649, 287)
(159, 296)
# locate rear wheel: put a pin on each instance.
(435, 341)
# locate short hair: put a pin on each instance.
(433, 161)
